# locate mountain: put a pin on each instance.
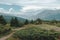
(45, 14)
(8, 17)
(48, 15)
(29, 13)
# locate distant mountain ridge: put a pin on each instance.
(45, 14)
(48, 15)
(9, 17)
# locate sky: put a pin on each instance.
(23, 7)
(32, 2)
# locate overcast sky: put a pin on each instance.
(31, 4)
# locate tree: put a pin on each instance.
(54, 22)
(31, 21)
(26, 22)
(2, 20)
(14, 22)
(38, 21)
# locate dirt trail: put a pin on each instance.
(6, 37)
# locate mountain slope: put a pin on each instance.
(48, 15)
(8, 17)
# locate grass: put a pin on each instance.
(11, 38)
(45, 26)
(42, 26)
(4, 30)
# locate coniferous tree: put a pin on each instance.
(54, 22)
(2, 20)
(31, 21)
(14, 22)
(38, 21)
(26, 22)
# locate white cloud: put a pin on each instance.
(7, 11)
(3, 10)
(43, 3)
(29, 2)
(11, 10)
(6, 3)
(31, 7)
(26, 10)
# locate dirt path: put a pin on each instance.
(6, 37)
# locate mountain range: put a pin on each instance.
(45, 14)
(48, 14)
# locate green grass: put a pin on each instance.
(34, 33)
(32, 30)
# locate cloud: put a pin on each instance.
(43, 3)
(26, 10)
(11, 10)
(3, 10)
(31, 7)
(29, 2)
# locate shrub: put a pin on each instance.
(38, 21)
(4, 30)
(58, 25)
(35, 33)
(26, 22)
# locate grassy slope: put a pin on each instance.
(43, 26)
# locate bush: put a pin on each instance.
(58, 25)
(4, 30)
(35, 33)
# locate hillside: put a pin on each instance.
(8, 17)
(47, 15)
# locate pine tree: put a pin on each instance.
(2, 20)
(38, 21)
(14, 22)
(31, 21)
(26, 22)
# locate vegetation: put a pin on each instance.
(14, 22)
(4, 30)
(31, 33)
(35, 33)
(2, 20)
(26, 22)
(31, 22)
(38, 21)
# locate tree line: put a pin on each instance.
(13, 22)
(16, 23)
